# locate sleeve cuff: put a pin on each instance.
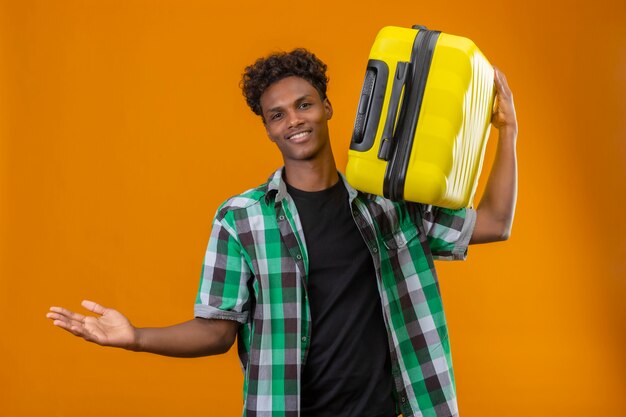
(460, 249)
(207, 312)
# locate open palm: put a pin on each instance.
(110, 328)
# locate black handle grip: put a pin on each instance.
(399, 81)
(370, 106)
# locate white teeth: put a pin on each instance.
(299, 135)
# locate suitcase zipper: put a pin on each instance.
(421, 57)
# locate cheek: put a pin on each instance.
(271, 134)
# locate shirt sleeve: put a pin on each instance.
(448, 231)
(223, 292)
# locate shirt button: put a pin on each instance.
(298, 256)
(303, 339)
(375, 250)
(281, 217)
(403, 399)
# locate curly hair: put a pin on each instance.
(266, 71)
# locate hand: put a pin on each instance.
(111, 328)
(503, 108)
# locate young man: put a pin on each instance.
(332, 293)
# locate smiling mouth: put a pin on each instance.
(298, 135)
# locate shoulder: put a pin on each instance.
(248, 200)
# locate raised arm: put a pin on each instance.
(197, 337)
(494, 214)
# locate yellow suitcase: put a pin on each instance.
(423, 118)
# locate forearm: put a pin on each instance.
(197, 337)
(496, 209)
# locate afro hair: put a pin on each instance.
(266, 71)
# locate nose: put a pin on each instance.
(294, 119)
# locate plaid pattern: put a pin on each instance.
(255, 272)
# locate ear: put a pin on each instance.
(328, 109)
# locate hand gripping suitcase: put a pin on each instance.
(423, 118)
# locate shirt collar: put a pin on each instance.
(276, 186)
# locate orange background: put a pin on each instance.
(122, 128)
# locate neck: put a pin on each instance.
(312, 175)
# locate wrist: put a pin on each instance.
(136, 344)
(508, 131)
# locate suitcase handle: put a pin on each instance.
(399, 81)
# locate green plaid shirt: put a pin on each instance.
(255, 272)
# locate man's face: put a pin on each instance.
(296, 119)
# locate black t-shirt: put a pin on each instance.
(348, 371)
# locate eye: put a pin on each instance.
(276, 116)
(305, 105)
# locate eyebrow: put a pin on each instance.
(298, 100)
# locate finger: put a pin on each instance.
(93, 306)
(86, 329)
(59, 317)
(501, 82)
(67, 313)
(89, 333)
(56, 318)
(76, 330)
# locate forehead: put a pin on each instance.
(284, 92)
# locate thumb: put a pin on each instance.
(93, 307)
